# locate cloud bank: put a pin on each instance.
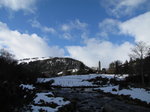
(26, 45)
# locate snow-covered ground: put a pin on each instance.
(44, 100)
(81, 80)
(70, 81)
(77, 80)
(135, 93)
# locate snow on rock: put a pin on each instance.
(44, 108)
(122, 77)
(75, 70)
(27, 86)
(42, 96)
(44, 100)
(70, 70)
(59, 73)
(134, 93)
(108, 89)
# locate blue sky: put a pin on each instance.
(87, 30)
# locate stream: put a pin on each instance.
(89, 100)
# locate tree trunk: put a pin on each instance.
(142, 73)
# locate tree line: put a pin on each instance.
(138, 67)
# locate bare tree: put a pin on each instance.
(6, 55)
(140, 51)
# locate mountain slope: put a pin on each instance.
(58, 66)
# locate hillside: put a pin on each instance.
(56, 66)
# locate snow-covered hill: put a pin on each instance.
(56, 66)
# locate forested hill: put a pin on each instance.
(57, 66)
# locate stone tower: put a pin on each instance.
(99, 67)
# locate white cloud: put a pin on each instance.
(120, 8)
(65, 27)
(80, 25)
(67, 36)
(36, 24)
(95, 50)
(15, 5)
(76, 24)
(70, 30)
(25, 45)
(138, 27)
(108, 26)
(73, 28)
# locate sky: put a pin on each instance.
(86, 30)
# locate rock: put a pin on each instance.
(108, 108)
(114, 89)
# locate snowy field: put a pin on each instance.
(81, 80)
(70, 81)
(77, 80)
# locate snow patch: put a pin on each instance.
(59, 73)
(74, 70)
(27, 60)
(135, 93)
(27, 86)
(47, 98)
